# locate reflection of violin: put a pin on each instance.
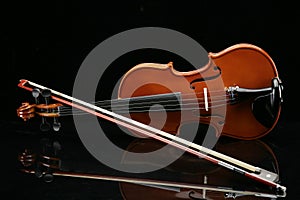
(200, 182)
(241, 80)
(254, 152)
(135, 192)
(189, 169)
(196, 171)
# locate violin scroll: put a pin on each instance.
(26, 111)
(45, 110)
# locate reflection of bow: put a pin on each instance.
(47, 164)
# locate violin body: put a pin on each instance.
(242, 115)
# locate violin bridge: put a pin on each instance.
(205, 98)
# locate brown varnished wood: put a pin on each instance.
(247, 66)
(27, 111)
(243, 65)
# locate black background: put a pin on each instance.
(47, 41)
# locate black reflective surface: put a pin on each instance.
(35, 148)
(46, 42)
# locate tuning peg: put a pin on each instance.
(35, 93)
(38, 171)
(48, 177)
(56, 147)
(45, 143)
(56, 125)
(46, 93)
(45, 126)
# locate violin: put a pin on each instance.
(238, 93)
(243, 78)
(203, 181)
(252, 101)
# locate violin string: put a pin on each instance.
(134, 105)
(121, 102)
(182, 95)
(79, 112)
(146, 108)
(125, 112)
(169, 107)
(167, 102)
